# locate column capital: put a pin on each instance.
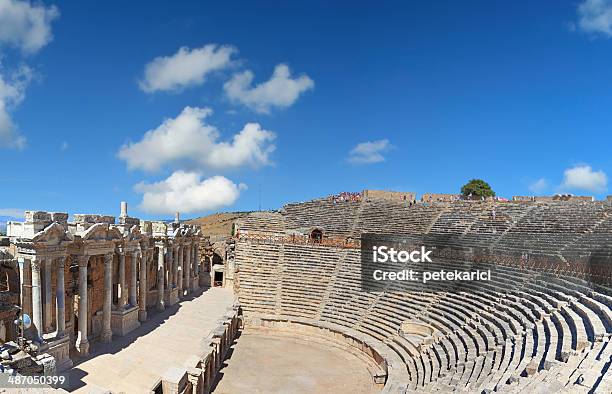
(108, 258)
(83, 260)
(36, 263)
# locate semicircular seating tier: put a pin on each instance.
(525, 330)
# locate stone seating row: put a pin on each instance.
(334, 218)
(577, 229)
(272, 223)
(520, 327)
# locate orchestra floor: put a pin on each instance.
(259, 363)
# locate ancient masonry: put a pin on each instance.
(92, 279)
(543, 323)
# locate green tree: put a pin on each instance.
(477, 188)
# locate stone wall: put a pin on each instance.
(440, 197)
(523, 198)
(388, 195)
(96, 292)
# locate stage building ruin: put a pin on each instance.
(90, 279)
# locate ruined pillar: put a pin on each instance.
(175, 271)
(48, 314)
(107, 333)
(122, 283)
(25, 293)
(170, 277)
(133, 278)
(188, 270)
(83, 342)
(123, 209)
(160, 278)
(37, 313)
(181, 270)
(194, 282)
(60, 295)
(142, 305)
(197, 257)
(194, 263)
(168, 269)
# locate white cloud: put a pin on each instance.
(64, 146)
(13, 212)
(538, 186)
(186, 192)
(187, 67)
(279, 91)
(369, 152)
(595, 16)
(12, 92)
(25, 25)
(188, 139)
(583, 177)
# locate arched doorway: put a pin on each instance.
(316, 236)
(217, 270)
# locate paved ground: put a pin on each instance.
(273, 364)
(133, 363)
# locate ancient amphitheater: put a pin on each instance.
(542, 323)
(307, 319)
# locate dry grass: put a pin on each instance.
(218, 223)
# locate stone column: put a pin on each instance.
(23, 266)
(83, 320)
(142, 305)
(180, 271)
(133, 278)
(37, 313)
(60, 295)
(160, 278)
(48, 314)
(197, 257)
(168, 268)
(171, 278)
(122, 300)
(175, 273)
(174, 266)
(107, 333)
(188, 270)
(26, 286)
(194, 263)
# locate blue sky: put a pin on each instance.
(417, 96)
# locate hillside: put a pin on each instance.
(218, 223)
